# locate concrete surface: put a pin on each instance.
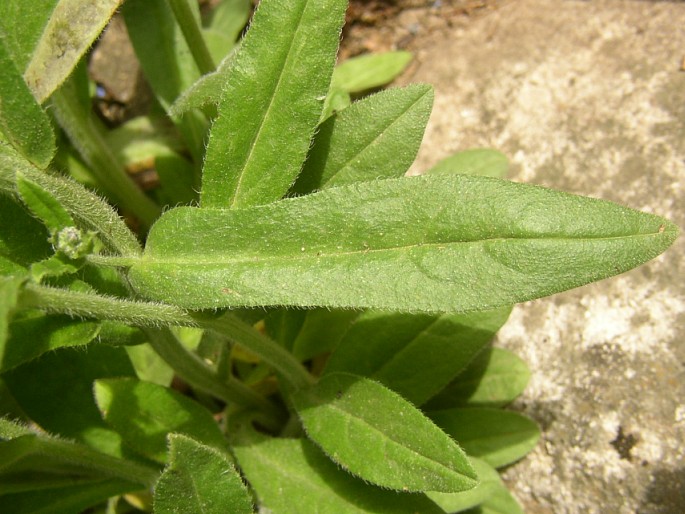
(588, 97)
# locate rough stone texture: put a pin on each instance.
(587, 97)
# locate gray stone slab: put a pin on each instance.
(588, 97)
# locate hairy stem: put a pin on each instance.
(156, 315)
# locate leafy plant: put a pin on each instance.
(312, 333)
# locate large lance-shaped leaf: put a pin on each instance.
(377, 137)
(415, 355)
(381, 437)
(435, 243)
(291, 476)
(71, 29)
(199, 479)
(272, 102)
(22, 120)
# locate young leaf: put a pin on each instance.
(89, 211)
(415, 355)
(23, 239)
(378, 435)
(495, 378)
(42, 204)
(377, 137)
(280, 74)
(448, 243)
(497, 436)
(291, 476)
(488, 482)
(24, 123)
(483, 162)
(199, 478)
(369, 71)
(144, 413)
(71, 29)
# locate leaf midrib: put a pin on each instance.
(304, 256)
(267, 112)
(350, 417)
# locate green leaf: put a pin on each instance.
(402, 449)
(42, 204)
(207, 90)
(448, 243)
(280, 76)
(23, 239)
(166, 61)
(144, 413)
(311, 332)
(489, 482)
(377, 137)
(415, 355)
(483, 162)
(21, 38)
(67, 499)
(291, 476)
(34, 333)
(500, 502)
(10, 288)
(497, 436)
(495, 378)
(24, 123)
(71, 29)
(62, 400)
(199, 479)
(369, 71)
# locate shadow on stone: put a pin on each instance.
(666, 493)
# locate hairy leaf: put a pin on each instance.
(377, 137)
(497, 436)
(71, 29)
(272, 102)
(21, 37)
(378, 435)
(495, 378)
(291, 476)
(24, 123)
(199, 479)
(437, 243)
(415, 355)
(144, 413)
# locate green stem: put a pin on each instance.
(191, 31)
(85, 133)
(191, 369)
(88, 458)
(146, 314)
